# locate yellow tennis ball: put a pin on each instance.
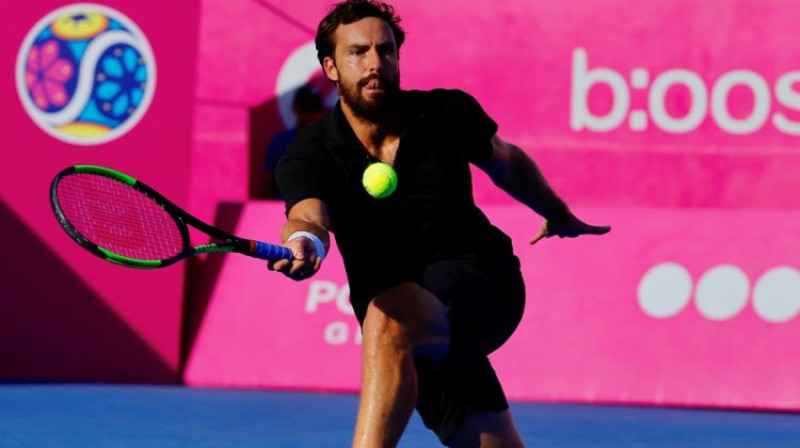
(379, 180)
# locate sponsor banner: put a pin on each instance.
(667, 70)
(672, 307)
(632, 75)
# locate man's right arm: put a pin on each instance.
(306, 235)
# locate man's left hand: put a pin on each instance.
(569, 227)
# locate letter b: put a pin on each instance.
(582, 81)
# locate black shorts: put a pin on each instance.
(485, 298)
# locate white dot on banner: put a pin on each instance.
(640, 78)
(665, 290)
(638, 120)
(776, 296)
(722, 292)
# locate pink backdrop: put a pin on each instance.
(676, 122)
(66, 314)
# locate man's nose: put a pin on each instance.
(374, 61)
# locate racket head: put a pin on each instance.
(118, 218)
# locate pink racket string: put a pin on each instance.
(118, 218)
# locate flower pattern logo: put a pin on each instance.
(46, 76)
(86, 74)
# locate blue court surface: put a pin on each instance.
(110, 416)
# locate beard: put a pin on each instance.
(372, 108)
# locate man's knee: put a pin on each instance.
(410, 317)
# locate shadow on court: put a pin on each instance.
(54, 327)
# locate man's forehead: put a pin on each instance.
(365, 31)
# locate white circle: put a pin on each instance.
(137, 39)
(722, 292)
(776, 296)
(298, 69)
(665, 290)
(640, 78)
(658, 94)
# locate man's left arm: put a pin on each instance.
(511, 169)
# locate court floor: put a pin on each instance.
(115, 416)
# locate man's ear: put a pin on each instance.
(329, 67)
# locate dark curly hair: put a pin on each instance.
(350, 11)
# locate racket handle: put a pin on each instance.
(271, 252)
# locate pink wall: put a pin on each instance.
(674, 121)
(67, 314)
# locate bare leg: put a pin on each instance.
(400, 321)
(487, 430)
(388, 394)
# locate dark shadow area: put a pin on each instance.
(53, 327)
(269, 136)
(265, 123)
(201, 276)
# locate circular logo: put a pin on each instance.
(85, 74)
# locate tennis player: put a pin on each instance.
(434, 285)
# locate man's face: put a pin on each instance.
(365, 66)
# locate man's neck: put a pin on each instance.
(373, 134)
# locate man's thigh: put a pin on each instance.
(484, 304)
(413, 313)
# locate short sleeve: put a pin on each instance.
(473, 127)
(301, 173)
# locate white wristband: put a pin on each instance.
(314, 239)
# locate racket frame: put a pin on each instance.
(226, 242)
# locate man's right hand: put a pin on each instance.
(308, 215)
(306, 261)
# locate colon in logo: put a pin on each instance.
(85, 74)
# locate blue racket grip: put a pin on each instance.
(272, 252)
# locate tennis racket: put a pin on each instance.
(122, 220)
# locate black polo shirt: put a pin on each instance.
(431, 216)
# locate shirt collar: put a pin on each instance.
(340, 134)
